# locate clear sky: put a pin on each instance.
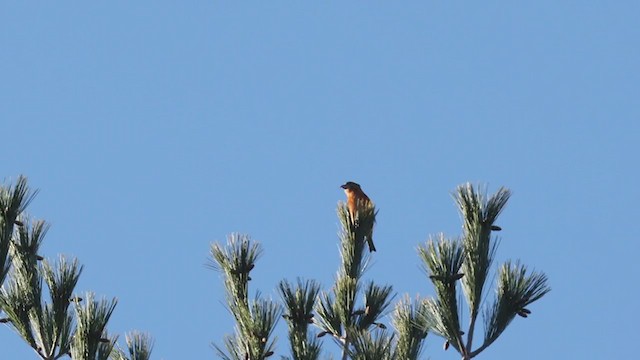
(155, 128)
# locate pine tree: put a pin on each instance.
(52, 327)
(356, 326)
(468, 260)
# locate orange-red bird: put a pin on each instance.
(354, 194)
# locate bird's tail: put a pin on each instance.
(372, 247)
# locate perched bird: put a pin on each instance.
(354, 194)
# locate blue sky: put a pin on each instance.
(154, 129)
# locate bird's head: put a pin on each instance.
(350, 186)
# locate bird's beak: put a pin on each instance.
(343, 186)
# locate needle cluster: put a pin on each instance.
(351, 311)
(139, 347)
(299, 301)
(468, 260)
(53, 321)
(340, 314)
(255, 319)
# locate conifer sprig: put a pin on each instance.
(479, 215)
(20, 297)
(328, 318)
(235, 261)
(140, 345)
(410, 322)
(61, 279)
(299, 304)
(443, 259)
(469, 260)
(516, 289)
(48, 326)
(13, 201)
(377, 300)
(353, 239)
(256, 319)
(338, 312)
(376, 345)
(91, 340)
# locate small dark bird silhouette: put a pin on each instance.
(354, 194)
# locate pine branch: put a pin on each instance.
(516, 290)
(48, 327)
(372, 347)
(255, 320)
(439, 322)
(299, 303)
(12, 203)
(328, 318)
(338, 313)
(345, 291)
(24, 251)
(61, 282)
(236, 261)
(106, 346)
(443, 260)
(140, 345)
(412, 327)
(479, 215)
(233, 349)
(91, 340)
(265, 317)
(21, 296)
(377, 300)
(353, 239)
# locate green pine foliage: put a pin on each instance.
(299, 302)
(53, 321)
(38, 301)
(340, 314)
(255, 319)
(410, 324)
(517, 288)
(13, 201)
(139, 347)
(352, 310)
(91, 340)
(38, 297)
(469, 260)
